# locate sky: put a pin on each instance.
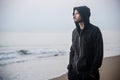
(55, 15)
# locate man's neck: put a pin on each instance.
(81, 24)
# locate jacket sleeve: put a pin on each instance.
(98, 50)
(71, 54)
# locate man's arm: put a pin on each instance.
(98, 50)
(69, 67)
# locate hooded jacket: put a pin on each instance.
(86, 52)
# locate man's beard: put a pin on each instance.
(79, 21)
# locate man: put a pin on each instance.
(86, 52)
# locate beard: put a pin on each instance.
(79, 21)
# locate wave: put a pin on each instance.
(44, 53)
(23, 55)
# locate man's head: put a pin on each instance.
(81, 14)
(77, 16)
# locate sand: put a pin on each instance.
(110, 69)
(35, 69)
(54, 68)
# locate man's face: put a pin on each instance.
(76, 16)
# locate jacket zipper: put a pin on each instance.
(80, 44)
(79, 53)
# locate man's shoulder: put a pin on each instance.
(95, 28)
(74, 30)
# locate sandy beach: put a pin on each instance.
(110, 70)
(35, 68)
(53, 68)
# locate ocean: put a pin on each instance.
(19, 47)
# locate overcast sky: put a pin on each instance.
(55, 15)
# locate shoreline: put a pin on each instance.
(109, 70)
(35, 69)
(53, 68)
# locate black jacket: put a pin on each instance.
(86, 52)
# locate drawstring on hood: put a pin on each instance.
(84, 12)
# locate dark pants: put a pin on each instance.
(94, 75)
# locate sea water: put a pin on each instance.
(31, 45)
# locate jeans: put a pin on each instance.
(87, 75)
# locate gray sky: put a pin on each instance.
(54, 15)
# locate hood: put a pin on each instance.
(84, 11)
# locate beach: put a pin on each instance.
(41, 59)
(110, 69)
(53, 68)
(36, 68)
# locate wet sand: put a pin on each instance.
(35, 68)
(110, 70)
